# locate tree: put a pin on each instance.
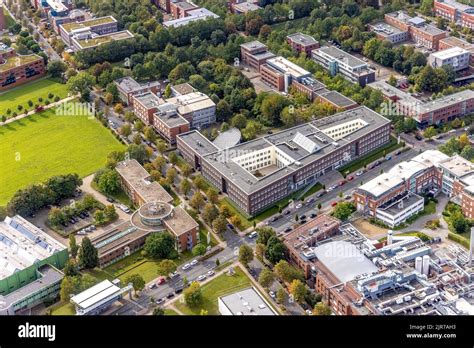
(110, 212)
(171, 174)
(245, 254)
(193, 295)
(56, 68)
(81, 83)
(166, 266)
(298, 290)
(173, 157)
(186, 170)
(73, 247)
(266, 278)
(321, 309)
(286, 272)
(429, 132)
(125, 129)
(264, 234)
(276, 250)
(137, 282)
(185, 186)
(197, 201)
(150, 134)
(392, 81)
(219, 224)
(281, 295)
(161, 146)
(56, 216)
(199, 249)
(209, 213)
(109, 181)
(158, 311)
(343, 210)
(88, 256)
(212, 194)
(160, 246)
(70, 268)
(459, 222)
(260, 250)
(99, 217)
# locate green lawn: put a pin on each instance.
(42, 145)
(31, 91)
(170, 312)
(63, 309)
(219, 286)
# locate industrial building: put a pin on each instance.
(99, 297)
(455, 57)
(258, 173)
(245, 302)
(29, 266)
(337, 61)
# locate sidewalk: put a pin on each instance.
(32, 112)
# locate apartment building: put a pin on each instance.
(302, 43)
(88, 29)
(467, 204)
(456, 172)
(279, 73)
(455, 57)
(452, 41)
(419, 31)
(16, 69)
(337, 61)
(258, 173)
(456, 12)
(255, 54)
(128, 87)
(385, 31)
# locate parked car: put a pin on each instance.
(178, 290)
(322, 193)
(110, 200)
(288, 229)
(333, 204)
(161, 281)
(194, 262)
(253, 234)
(347, 197)
(186, 266)
(210, 273)
(313, 215)
(418, 137)
(342, 182)
(272, 294)
(170, 295)
(152, 286)
(174, 274)
(299, 205)
(303, 217)
(230, 226)
(360, 172)
(350, 178)
(286, 212)
(160, 301)
(201, 277)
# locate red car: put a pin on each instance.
(333, 204)
(350, 177)
(162, 280)
(342, 182)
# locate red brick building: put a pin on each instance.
(18, 69)
(452, 41)
(467, 204)
(180, 9)
(145, 105)
(453, 11)
(254, 54)
(169, 124)
(302, 43)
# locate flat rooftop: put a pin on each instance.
(449, 53)
(416, 21)
(169, 118)
(313, 84)
(337, 99)
(253, 45)
(95, 294)
(386, 29)
(191, 102)
(459, 6)
(246, 7)
(138, 178)
(383, 183)
(344, 260)
(458, 166)
(408, 200)
(102, 39)
(90, 23)
(18, 61)
(149, 100)
(286, 67)
(446, 101)
(22, 244)
(390, 92)
(185, 5)
(302, 39)
(198, 142)
(180, 222)
(183, 88)
(247, 302)
(457, 42)
(299, 154)
(193, 15)
(342, 56)
(49, 276)
(228, 139)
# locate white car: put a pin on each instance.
(186, 266)
(210, 273)
(174, 274)
(308, 311)
(359, 173)
(194, 262)
(299, 206)
(272, 294)
(253, 234)
(201, 277)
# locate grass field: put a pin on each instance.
(219, 286)
(42, 145)
(32, 91)
(63, 309)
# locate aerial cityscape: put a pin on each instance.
(236, 157)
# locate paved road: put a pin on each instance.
(307, 208)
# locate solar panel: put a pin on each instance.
(305, 143)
